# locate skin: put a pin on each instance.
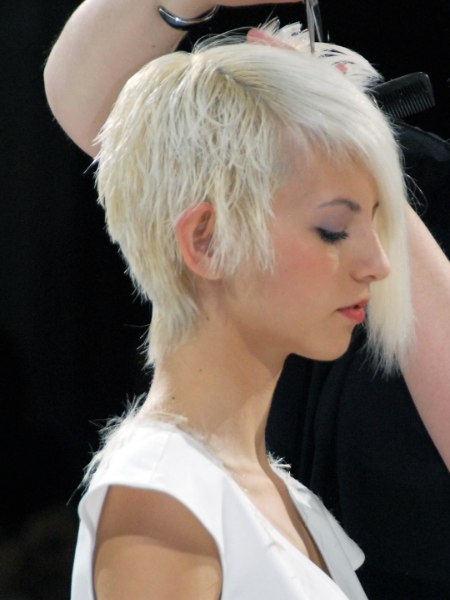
(425, 369)
(260, 318)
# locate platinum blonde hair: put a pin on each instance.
(217, 125)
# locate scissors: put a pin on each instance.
(314, 23)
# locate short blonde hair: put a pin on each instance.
(213, 126)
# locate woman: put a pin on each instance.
(260, 224)
(105, 41)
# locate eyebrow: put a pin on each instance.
(350, 204)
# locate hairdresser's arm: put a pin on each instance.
(102, 45)
(150, 546)
(427, 368)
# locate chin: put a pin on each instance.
(326, 352)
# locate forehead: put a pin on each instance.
(320, 181)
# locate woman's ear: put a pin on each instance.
(194, 233)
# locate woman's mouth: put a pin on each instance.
(356, 313)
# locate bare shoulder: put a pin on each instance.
(151, 546)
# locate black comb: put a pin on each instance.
(405, 96)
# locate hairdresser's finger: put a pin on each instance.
(257, 36)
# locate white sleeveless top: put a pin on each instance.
(258, 563)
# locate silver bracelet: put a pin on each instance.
(185, 24)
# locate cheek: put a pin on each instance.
(333, 259)
(309, 261)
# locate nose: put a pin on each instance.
(371, 263)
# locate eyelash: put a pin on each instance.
(332, 237)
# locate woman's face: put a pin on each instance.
(327, 256)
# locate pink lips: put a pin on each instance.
(356, 313)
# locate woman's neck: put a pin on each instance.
(223, 390)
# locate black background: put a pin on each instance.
(71, 328)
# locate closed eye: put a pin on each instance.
(331, 237)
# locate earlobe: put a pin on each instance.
(194, 233)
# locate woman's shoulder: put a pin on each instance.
(152, 452)
(159, 457)
(139, 459)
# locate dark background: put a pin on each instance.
(70, 327)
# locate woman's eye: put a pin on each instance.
(331, 237)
